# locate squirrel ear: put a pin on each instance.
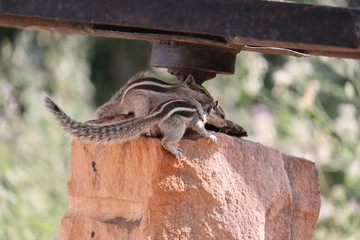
(216, 104)
(207, 106)
(189, 80)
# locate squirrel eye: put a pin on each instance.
(222, 116)
(202, 91)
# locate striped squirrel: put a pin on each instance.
(137, 94)
(170, 119)
(142, 94)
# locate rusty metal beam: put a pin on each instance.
(234, 24)
(199, 37)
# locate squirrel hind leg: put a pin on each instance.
(174, 150)
(106, 110)
(173, 130)
(138, 104)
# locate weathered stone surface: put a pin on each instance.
(235, 189)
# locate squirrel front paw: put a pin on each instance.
(213, 138)
(204, 117)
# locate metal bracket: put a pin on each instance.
(201, 61)
(200, 37)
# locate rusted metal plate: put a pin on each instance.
(195, 58)
(232, 24)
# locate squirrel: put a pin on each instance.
(169, 119)
(142, 94)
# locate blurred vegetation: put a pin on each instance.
(34, 154)
(308, 107)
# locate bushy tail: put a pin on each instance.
(123, 130)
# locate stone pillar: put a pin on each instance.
(233, 189)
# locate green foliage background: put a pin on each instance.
(308, 107)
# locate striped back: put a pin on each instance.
(174, 107)
(149, 84)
